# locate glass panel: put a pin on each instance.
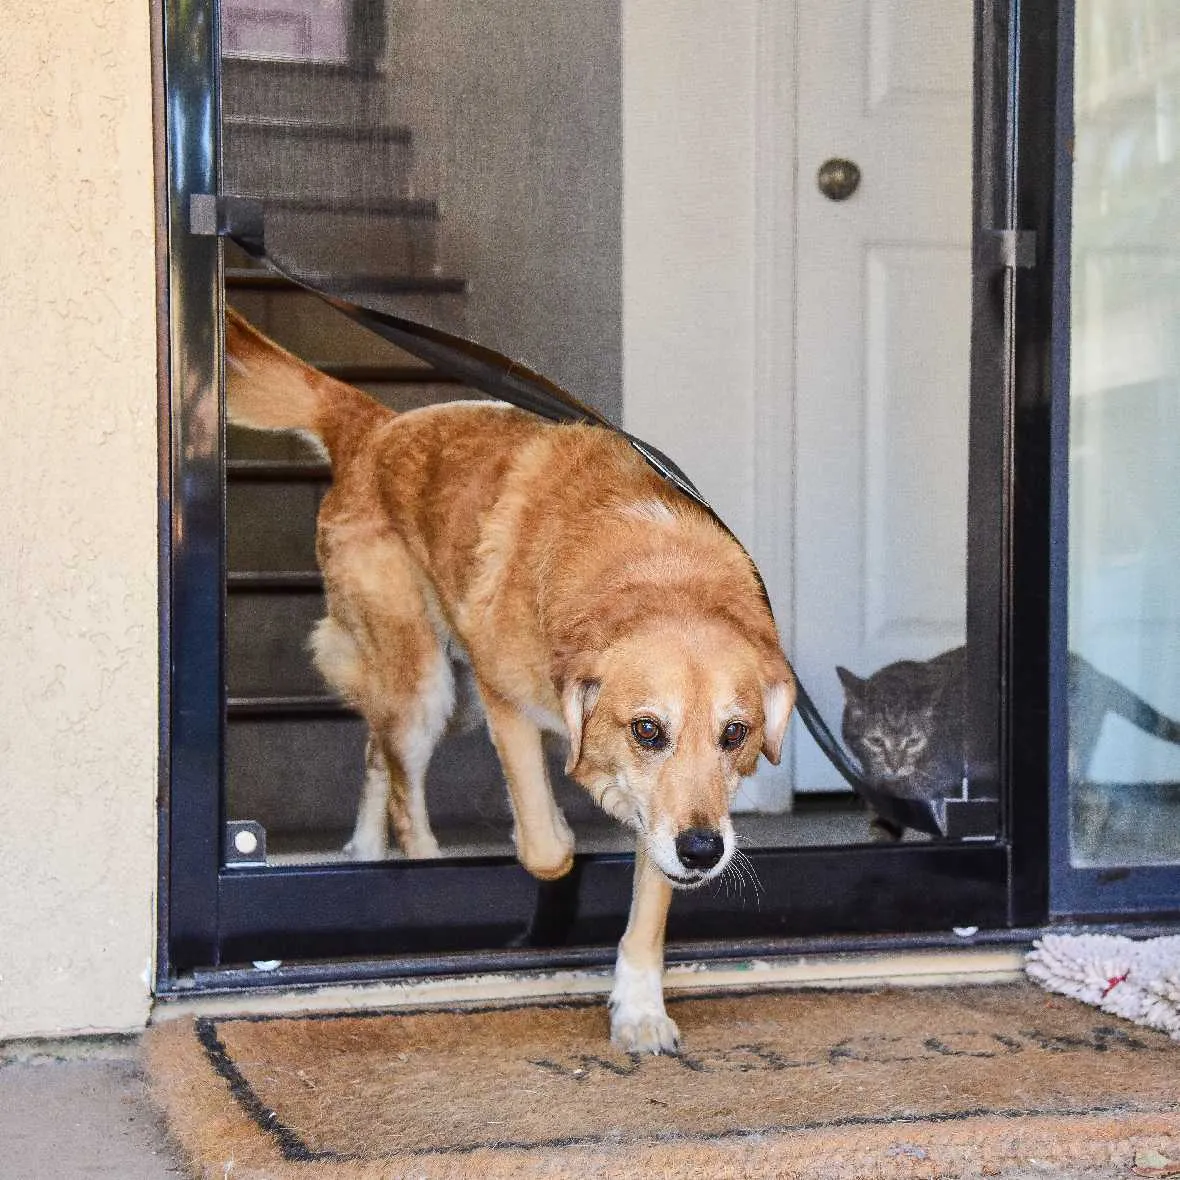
(489, 169)
(1124, 489)
(459, 165)
(882, 380)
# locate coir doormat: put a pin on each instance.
(940, 1082)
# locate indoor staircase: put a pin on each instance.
(318, 146)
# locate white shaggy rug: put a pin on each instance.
(1138, 980)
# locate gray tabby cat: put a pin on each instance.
(904, 723)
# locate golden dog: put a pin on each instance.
(588, 597)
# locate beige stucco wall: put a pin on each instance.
(78, 645)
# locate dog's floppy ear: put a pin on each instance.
(778, 699)
(579, 694)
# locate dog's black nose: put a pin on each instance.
(699, 848)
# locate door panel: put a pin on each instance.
(880, 491)
(884, 298)
(915, 504)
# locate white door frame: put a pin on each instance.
(709, 163)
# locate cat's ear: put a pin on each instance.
(852, 684)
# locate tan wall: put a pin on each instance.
(78, 643)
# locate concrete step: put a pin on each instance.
(318, 160)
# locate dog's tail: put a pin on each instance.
(268, 388)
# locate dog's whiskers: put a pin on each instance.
(742, 870)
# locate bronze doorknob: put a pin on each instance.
(838, 179)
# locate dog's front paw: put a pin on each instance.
(638, 1021)
(646, 1032)
(547, 855)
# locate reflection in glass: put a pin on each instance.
(1124, 488)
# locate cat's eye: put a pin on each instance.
(874, 742)
(733, 735)
(649, 733)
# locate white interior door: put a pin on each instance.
(882, 353)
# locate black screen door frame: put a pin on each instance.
(405, 918)
(1076, 893)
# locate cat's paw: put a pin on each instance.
(883, 831)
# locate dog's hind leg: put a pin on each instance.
(544, 842)
(406, 742)
(394, 795)
(382, 653)
(370, 834)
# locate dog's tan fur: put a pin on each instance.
(583, 592)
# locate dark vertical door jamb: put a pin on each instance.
(195, 535)
(988, 423)
(1043, 41)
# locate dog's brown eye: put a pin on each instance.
(733, 735)
(648, 733)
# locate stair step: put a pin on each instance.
(266, 648)
(305, 325)
(387, 374)
(271, 526)
(275, 581)
(285, 66)
(324, 163)
(370, 236)
(293, 89)
(303, 775)
(251, 279)
(317, 129)
(309, 328)
(285, 708)
(408, 208)
(277, 471)
(242, 443)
